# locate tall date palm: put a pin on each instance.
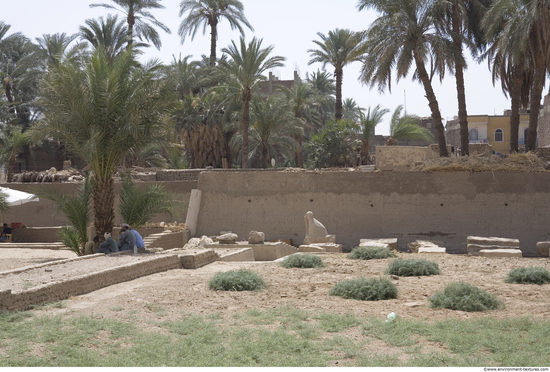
(404, 35)
(209, 13)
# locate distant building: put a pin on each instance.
(494, 130)
(543, 128)
(267, 88)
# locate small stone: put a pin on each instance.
(228, 238)
(48, 270)
(414, 304)
(395, 277)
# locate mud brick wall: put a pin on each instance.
(194, 260)
(85, 283)
(167, 240)
(408, 206)
(36, 235)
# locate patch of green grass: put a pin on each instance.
(465, 297)
(412, 267)
(370, 253)
(304, 340)
(236, 280)
(27, 284)
(157, 309)
(116, 308)
(365, 289)
(528, 275)
(302, 261)
(51, 305)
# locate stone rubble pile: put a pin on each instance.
(51, 175)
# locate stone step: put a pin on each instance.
(543, 249)
(500, 253)
(492, 241)
(391, 243)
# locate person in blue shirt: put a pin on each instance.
(139, 239)
(127, 240)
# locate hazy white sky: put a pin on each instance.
(289, 25)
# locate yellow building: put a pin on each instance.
(494, 130)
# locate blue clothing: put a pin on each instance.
(139, 239)
(127, 241)
(108, 246)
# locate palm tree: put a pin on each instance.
(351, 110)
(406, 127)
(460, 20)
(525, 29)
(13, 141)
(324, 89)
(368, 123)
(56, 48)
(405, 34)
(340, 48)
(273, 131)
(139, 205)
(138, 18)
(110, 33)
(210, 12)
(514, 71)
(242, 74)
(101, 111)
(77, 210)
(303, 103)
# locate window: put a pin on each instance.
(499, 136)
(473, 134)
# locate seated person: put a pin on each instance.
(127, 240)
(6, 230)
(108, 246)
(92, 247)
(139, 239)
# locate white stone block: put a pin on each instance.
(500, 253)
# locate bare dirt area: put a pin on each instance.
(168, 295)
(13, 258)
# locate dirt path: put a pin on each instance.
(170, 294)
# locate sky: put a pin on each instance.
(290, 26)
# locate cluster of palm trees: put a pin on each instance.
(88, 95)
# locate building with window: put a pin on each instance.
(494, 130)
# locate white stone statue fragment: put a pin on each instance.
(256, 237)
(316, 231)
(228, 238)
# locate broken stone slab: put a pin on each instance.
(543, 248)
(424, 246)
(473, 249)
(391, 243)
(256, 237)
(228, 238)
(414, 304)
(479, 240)
(500, 253)
(321, 247)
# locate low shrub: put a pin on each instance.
(365, 289)
(528, 275)
(465, 297)
(302, 261)
(371, 253)
(236, 280)
(412, 267)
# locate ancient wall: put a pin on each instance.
(40, 213)
(401, 158)
(405, 205)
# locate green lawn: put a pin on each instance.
(282, 337)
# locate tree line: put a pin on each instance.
(89, 95)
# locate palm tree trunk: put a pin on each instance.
(460, 89)
(299, 156)
(11, 165)
(246, 122)
(339, 74)
(515, 96)
(103, 197)
(131, 19)
(213, 41)
(434, 106)
(536, 95)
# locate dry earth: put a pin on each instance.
(186, 291)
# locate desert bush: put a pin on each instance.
(412, 267)
(365, 289)
(465, 297)
(303, 261)
(528, 275)
(236, 280)
(370, 253)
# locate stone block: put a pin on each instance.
(228, 238)
(391, 243)
(500, 253)
(256, 237)
(473, 249)
(310, 248)
(423, 246)
(543, 249)
(434, 249)
(491, 241)
(239, 255)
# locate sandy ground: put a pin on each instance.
(181, 291)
